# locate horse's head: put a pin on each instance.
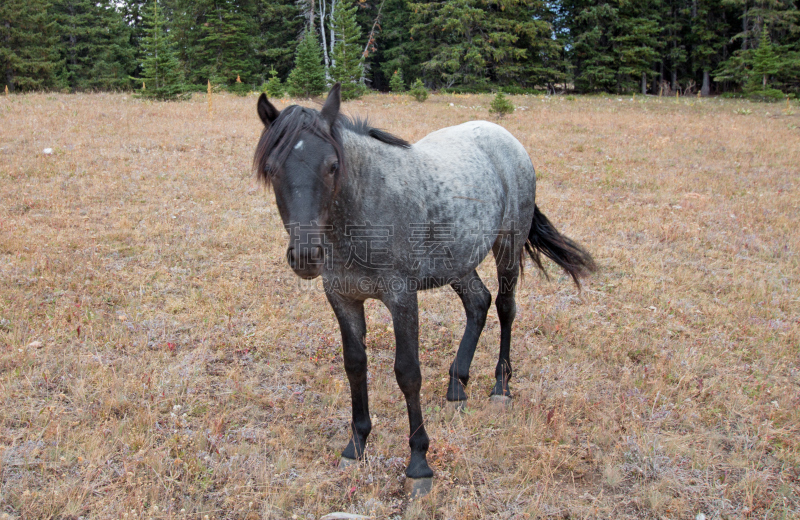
(299, 155)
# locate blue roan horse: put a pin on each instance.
(380, 218)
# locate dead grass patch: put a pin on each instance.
(158, 359)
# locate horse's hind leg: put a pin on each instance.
(350, 315)
(476, 299)
(507, 259)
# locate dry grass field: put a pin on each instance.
(159, 359)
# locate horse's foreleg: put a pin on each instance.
(354, 328)
(476, 299)
(405, 318)
(507, 274)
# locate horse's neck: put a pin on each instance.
(359, 151)
(365, 179)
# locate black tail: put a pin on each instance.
(544, 238)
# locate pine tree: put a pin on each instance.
(279, 23)
(397, 84)
(161, 73)
(781, 21)
(501, 105)
(347, 60)
(274, 88)
(476, 43)
(399, 50)
(615, 44)
(454, 32)
(591, 50)
(226, 47)
(131, 12)
(307, 79)
(763, 65)
(95, 45)
(418, 91)
(708, 39)
(28, 50)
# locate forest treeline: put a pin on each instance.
(649, 46)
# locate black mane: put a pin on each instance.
(278, 140)
(361, 126)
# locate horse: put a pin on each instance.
(378, 217)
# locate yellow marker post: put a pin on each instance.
(209, 99)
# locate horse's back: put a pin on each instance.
(490, 158)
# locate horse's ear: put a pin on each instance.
(330, 110)
(266, 111)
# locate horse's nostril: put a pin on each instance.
(290, 257)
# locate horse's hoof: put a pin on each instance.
(345, 463)
(456, 405)
(501, 400)
(418, 487)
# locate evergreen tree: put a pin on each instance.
(764, 63)
(131, 12)
(95, 45)
(474, 43)
(675, 30)
(347, 61)
(501, 105)
(307, 79)
(453, 31)
(161, 73)
(397, 84)
(781, 21)
(615, 44)
(279, 23)
(28, 51)
(226, 48)
(418, 91)
(274, 88)
(399, 50)
(708, 39)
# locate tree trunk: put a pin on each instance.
(674, 85)
(370, 41)
(324, 39)
(333, 31)
(705, 91)
(644, 83)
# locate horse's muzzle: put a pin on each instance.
(306, 261)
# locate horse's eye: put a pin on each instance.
(334, 167)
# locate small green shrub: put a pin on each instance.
(418, 91)
(396, 84)
(239, 88)
(501, 105)
(273, 87)
(770, 95)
